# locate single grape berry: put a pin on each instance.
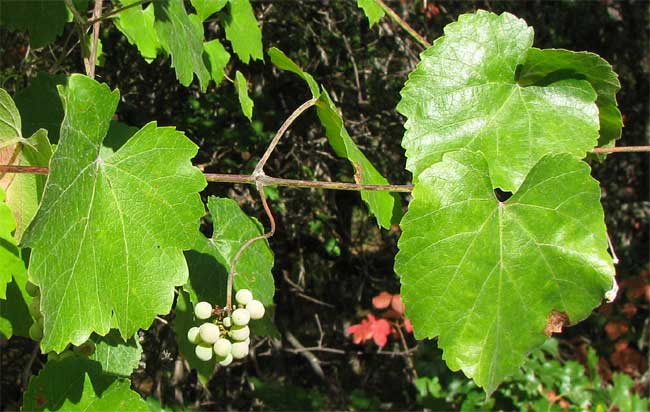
(222, 347)
(193, 335)
(203, 310)
(35, 307)
(209, 333)
(226, 361)
(203, 352)
(243, 296)
(35, 332)
(240, 333)
(239, 350)
(256, 309)
(32, 289)
(227, 322)
(240, 317)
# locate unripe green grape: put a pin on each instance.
(35, 332)
(203, 310)
(227, 322)
(240, 333)
(256, 309)
(239, 350)
(35, 307)
(40, 321)
(203, 352)
(243, 296)
(226, 361)
(240, 317)
(222, 347)
(32, 289)
(193, 335)
(209, 333)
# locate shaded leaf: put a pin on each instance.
(372, 10)
(137, 24)
(550, 65)
(42, 19)
(40, 105)
(14, 310)
(115, 355)
(242, 92)
(243, 31)
(485, 275)
(10, 262)
(107, 240)
(464, 94)
(182, 39)
(78, 384)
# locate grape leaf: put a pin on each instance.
(137, 24)
(115, 355)
(40, 106)
(10, 260)
(182, 38)
(549, 65)
(43, 19)
(372, 10)
(243, 31)
(489, 277)
(107, 240)
(209, 261)
(242, 92)
(217, 59)
(206, 8)
(14, 310)
(464, 94)
(78, 384)
(384, 205)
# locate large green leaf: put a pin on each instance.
(43, 19)
(385, 206)
(40, 106)
(372, 10)
(550, 65)
(115, 355)
(464, 94)
(243, 31)
(182, 38)
(217, 58)
(10, 262)
(78, 384)
(489, 277)
(107, 240)
(206, 8)
(137, 24)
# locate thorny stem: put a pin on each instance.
(403, 24)
(97, 13)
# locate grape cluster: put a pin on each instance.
(227, 337)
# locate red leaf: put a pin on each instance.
(407, 325)
(371, 328)
(382, 301)
(380, 331)
(397, 304)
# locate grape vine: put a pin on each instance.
(101, 233)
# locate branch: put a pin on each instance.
(111, 14)
(410, 30)
(97, 13)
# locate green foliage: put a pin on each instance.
(40, 105)
(43, 19)
(217, 59)
(10, 260)
(136, 209)
(492, 272)
(137, 24)
(206, 8)
(182, 38)
(372, 10)
(116, 356)
(242, 91)
(14, 310)
(281, 396)
(76, 383)
(465, 94)
(243, 31)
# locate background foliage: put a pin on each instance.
(330, 257)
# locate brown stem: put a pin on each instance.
(115, 11)
(621, 149)
(249, 242)
(409, 356)
(97, 13)
(259, 168)
(410, 30)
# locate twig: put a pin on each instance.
(97, 13)
(611, 249)
(410, 30)
(621, 149)
(409, 356)
(306, 353)
(111, 14)
(259, 168)
(27, 372)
